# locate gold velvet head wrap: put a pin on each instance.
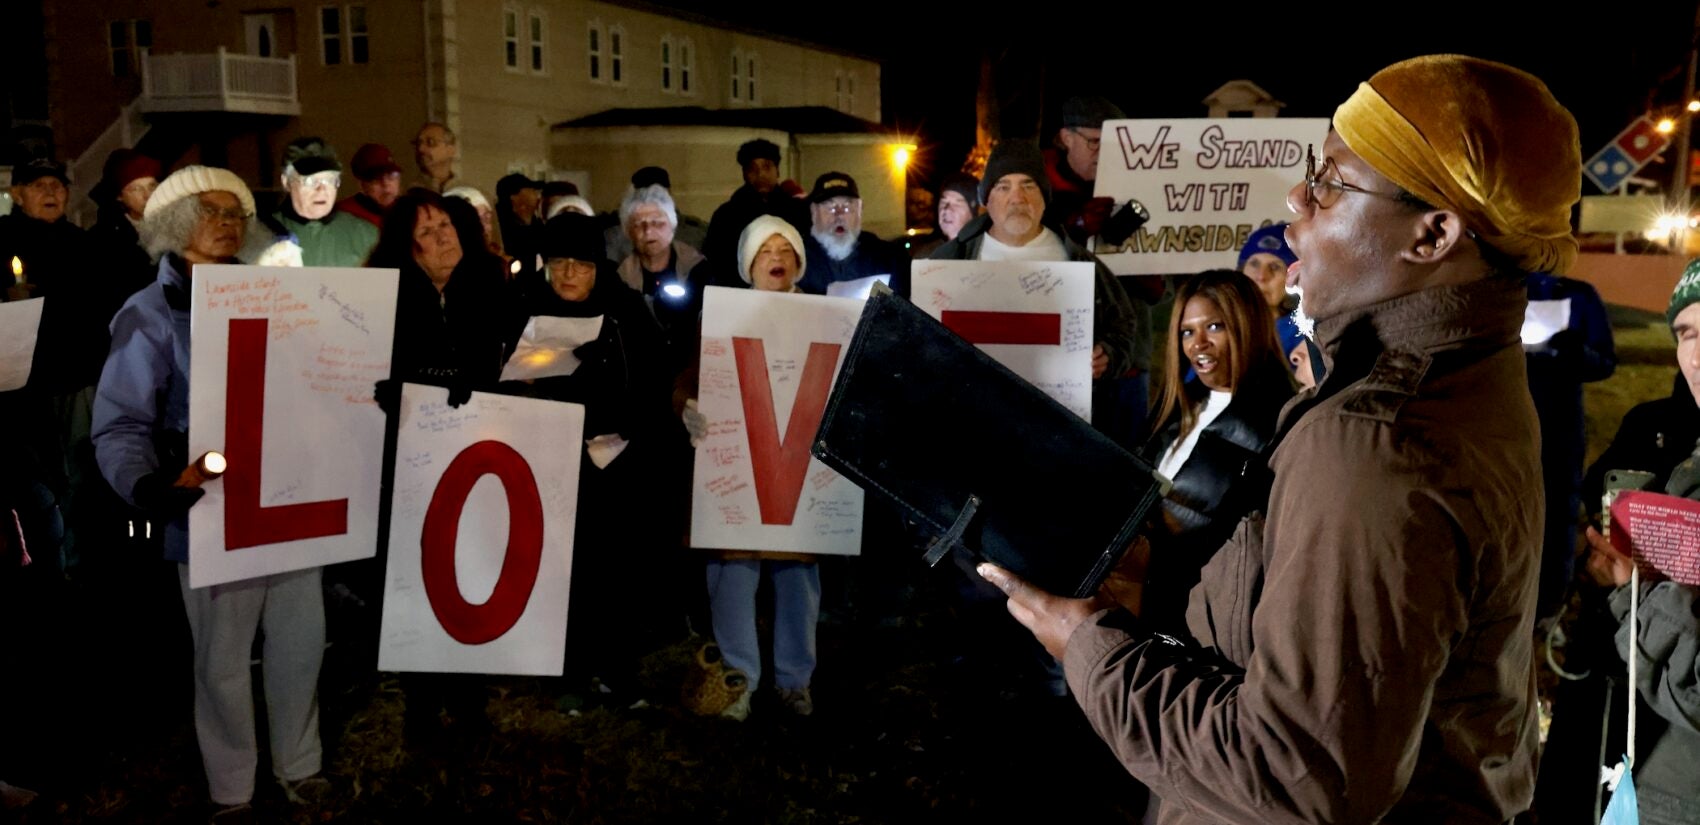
(1479, 138)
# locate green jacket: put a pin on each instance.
(339, 239)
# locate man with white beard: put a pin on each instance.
(1015, 191)
(838, 249)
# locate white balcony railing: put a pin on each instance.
(219, 82)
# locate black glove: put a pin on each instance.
(1566, 344)
(1125, 221)
(460, 392)
(595, 352)
(387, 393)
(156, 494)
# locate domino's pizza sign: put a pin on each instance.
(1625, 155)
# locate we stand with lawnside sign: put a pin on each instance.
(1207, 182)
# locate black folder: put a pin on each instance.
(980, 459)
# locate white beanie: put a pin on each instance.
(573, 202)
(757, 234)
(193, 180)
(470, 195)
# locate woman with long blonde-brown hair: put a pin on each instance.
(1224, 384)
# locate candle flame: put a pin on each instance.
(17, 266)
(214, 462)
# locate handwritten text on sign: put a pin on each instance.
(1662, 534)
(768, 363)
(282, 363)
(1034, 318)
(1207, 182)
(481, 531)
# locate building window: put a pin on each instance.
(358, 50)
(666, 63)
(616, 55)
(751, 62)
(685, 66)
(340, 28)
(850, 93)
(330, 34)
(510, 38)
(128, 39)
(536, 29)
(737, 75)
(595, 50)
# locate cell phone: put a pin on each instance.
(1617, 481)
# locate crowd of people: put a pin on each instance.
(1333, 614)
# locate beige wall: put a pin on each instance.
(506, 114)
(701, 162)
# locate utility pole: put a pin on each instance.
(1680, 195)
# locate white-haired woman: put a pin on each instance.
(661, 267)
(487, 219)
(770, 258)
(201, 215)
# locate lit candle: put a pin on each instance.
(209, 466)
(18, 271)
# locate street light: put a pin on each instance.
(1665, 126)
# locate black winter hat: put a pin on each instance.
(1089, 112)
(757, 149)
(1015, 157)
(575, 236)
(651, 176)
(965, 185)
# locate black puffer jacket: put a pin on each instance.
(1225, 478)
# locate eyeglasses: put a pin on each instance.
(214, 213)
(1091, 142)
(1322, 194)
(646, 224)
(839, 207)
(322, 180)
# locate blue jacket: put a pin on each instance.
(143, 395)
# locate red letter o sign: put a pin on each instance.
(469, 623)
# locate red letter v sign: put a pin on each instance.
(780, 466)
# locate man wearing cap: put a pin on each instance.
(760, 195)
(691, 230)
(1364, 649)
(61, 266)
(1658, 437)
(837, 246)
(379, 178)
(1071, 165)
(1015, 191)
(327, 237)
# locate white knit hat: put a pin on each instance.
(573, 202)
(470, 195)
(193, 180)
(757, 234)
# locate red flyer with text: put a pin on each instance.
(1662, 534)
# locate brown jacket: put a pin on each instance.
(1368, 642)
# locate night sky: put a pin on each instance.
(1607, 63)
